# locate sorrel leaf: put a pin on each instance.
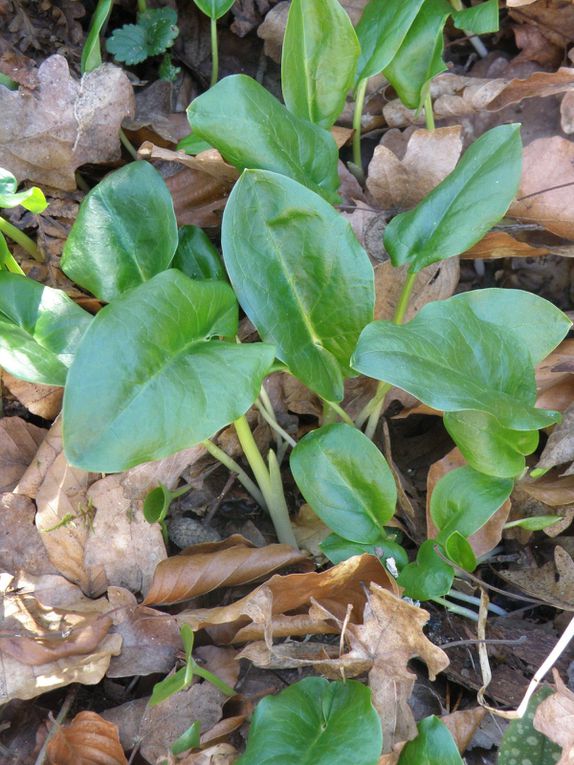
(461, 209)
(125, 232)
(346, 480)
(434, 745)
(319, 60)
(429, 576)
(40, 329)
(215, 9)
(148, 380)
(32, 199)
(480, 19)
(315, 722)
(299, 274)
(196, 256)
(252, 129)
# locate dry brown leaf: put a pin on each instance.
(221, 731)
(87, 740)
(220, 661)
(535, 46)
(554, 718)
(555, 379)
(552, 490)
(309, 530)
(43, 400)
(554, 18)
(47, 133)
(499, 244)
(209, 162)
(21, 548)
(567, 113)
(198, 199)
(559, 448)
(553, 582)
(518, 3)
(401, 183)
(220, 754)
(48, 450)
(19, 442)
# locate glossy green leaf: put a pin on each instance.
(32, 199)
(193, 145)
(315, 722)
(381, 31)
(489, 447)
(91, 52)
(346, 480)
(40, 329)
(429, 576)
(299, 274)
(464, 500)
(460, 552)
(319, 60)
(196, 256)
(479, 19)
(535, 522)
(215, 9)
(453, 361)
(190, 739)
(252, 129)
(338, 549)
(464, 207)
(147, 379)
(168, 687)
(522, 744)
(125, 232)
(434, 745)
(419, 57)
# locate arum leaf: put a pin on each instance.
(429, 576)
(522, 743)
(480, 19)
(32, 199)
(147, 380)
(434, 745)
(338, 549)
(40, 329)
(215, 9)
(315, 722)
(453, 361)
(460, 552)
(320, 52)
(458, 213)
(346, 480)
(251, 129)
(272, 229)
(196, 256)
(124, 234)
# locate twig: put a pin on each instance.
(65, 708)
(458, 643)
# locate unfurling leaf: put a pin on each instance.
(196, 256)
(434, 745)
(32, 199)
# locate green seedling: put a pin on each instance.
(156, 505)
(534, 523)
(215, 9)
(190, 739)
(32, 199)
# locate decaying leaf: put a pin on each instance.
(21, 548)
(209, 162)
(555, 718)
(220, 754)
(48, 450)
(43, 400)
(63, 124)
(555, 378)
(559, 448)
(19, 442)
(309, 530)
(553, 582)
(87, 740)
(499, 244)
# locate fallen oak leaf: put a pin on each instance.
(87, 740)
(42, 400)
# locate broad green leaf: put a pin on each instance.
(320, 53)
(419, 57)
(453, 361)
(464, 500)
(381, 31)
(535, 522)
(252, 129)
(464, 207)
(124, 234)
(429, 576)
(315, 722)
(215, 9)
(32, 199)
(338, 549)
(147, 379)
(346, 480)
(299, 274)
(480, 19)
(190, 739)
(522, 744)
(40, 329)
(460, 552)
(191, 144)
(489, 447)
(91, 52)
(434, 745)
(196, 256)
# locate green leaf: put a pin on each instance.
(459, 212)
(319, 60)
(40, 329)
(522, 744)
(338, 549)
(196, 256)
(419, 57)
(381, 31)
(315, 722)
(128, 44)
(463, 501)
(125, 232)
(460, 552)
(429, 576)
(535, 522)
(251, 129)
(160, 27)
(193, 145)
(32, 199)
(168, 687)
(91, 52)
(453, 361)
(147, 379)
(434, 745)
(346, 480)
(489, 447)
(480, 19)
(188, 740)
(215, 9)
(299, 274)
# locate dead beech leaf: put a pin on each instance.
(209, 162)
(220, 754)
(309, 530)
(50, 447)
(554, 18)
(198, 199)
(554, 718)
(559, 448)
(435, 282)
(553, 582)
(555, 378)
(87, 740)
(21, 547)
(190, 574)
(499, 244)
(552, 490)
(43, 400)
(19, 442)
(47, 133)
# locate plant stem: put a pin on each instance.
(457, 595)
(242, 476)
(475, 41)
(278, 509)
(127, 144)
(334, 407)
(274, 425)
(429, 115)
(21, 238)
(359, 104)
(214, 53)
(453, 608)
(142, 6)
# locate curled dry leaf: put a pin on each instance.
(554, 718)
(47, 133)
(209, 162)
(193, 573)
(87, 740)
(554, 18)
(553, 582)
(559, 448)
(19, 442)
(220, 754)
(555, 378)
(43, 400)
(499, 244)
